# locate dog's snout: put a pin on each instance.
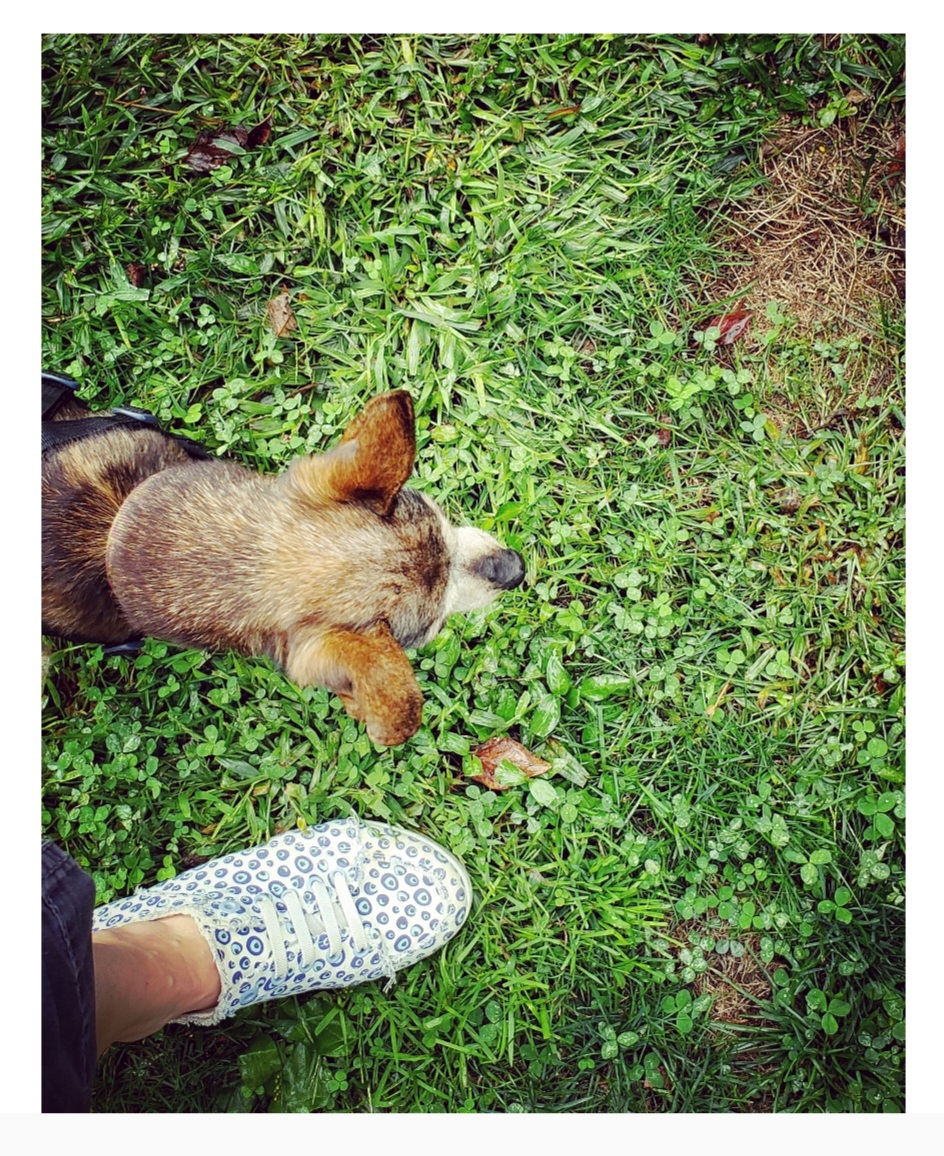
(504, 569)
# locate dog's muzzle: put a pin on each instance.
(504, 569)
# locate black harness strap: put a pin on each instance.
(58, 389)
(61, 433)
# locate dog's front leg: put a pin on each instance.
(367, 670)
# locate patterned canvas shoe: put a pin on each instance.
(345, 902)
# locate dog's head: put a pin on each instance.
(409, 569)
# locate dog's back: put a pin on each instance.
(84, 483)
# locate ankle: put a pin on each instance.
(149, 973)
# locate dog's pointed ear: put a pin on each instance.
(372, 461)
(367, 670)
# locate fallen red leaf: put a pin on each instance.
(503, 749)
(732, 325)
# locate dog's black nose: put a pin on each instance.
(514, 564)
(504, 569)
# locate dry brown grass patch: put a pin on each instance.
(737, 984)
(826, 237)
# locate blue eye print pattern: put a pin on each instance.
(343, 903)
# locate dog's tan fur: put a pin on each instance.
(330, 569)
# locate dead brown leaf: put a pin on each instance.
(209, 150)
(137, 275)
(260, 134)
(192, 860)
(504, 749)
(281, 318)
(213, 148)
(789, 500)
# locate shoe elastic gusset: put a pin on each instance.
(340, 904)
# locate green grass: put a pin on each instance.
(522, 231)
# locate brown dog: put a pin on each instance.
(330, 569)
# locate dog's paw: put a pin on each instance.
(368, 671)
(397, 722)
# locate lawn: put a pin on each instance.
(647, 295)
